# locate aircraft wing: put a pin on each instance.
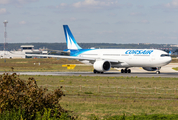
(60, 56)
(73, 57)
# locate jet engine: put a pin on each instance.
(102, 66)
(150, 68)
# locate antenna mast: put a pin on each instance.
(5, 33)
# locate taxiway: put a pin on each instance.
(166, 71)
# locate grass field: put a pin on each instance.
(102, 96)
(87, 100)
(45, 65)
(174, 60)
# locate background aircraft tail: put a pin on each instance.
(170, 52)
(70, 40)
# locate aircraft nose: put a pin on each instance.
(169, 60)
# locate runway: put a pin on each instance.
(166, 71)
(107, 74)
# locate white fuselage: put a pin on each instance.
(128, 57)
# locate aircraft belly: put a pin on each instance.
(138, 62)
(124, 64)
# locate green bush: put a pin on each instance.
(17, 95)
(19, 115)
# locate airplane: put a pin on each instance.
(105, 59)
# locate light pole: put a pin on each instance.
(5, 33)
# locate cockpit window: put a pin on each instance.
(164, 55)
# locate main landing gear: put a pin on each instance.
(126, 70)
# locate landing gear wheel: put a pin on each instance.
(122, 71)
(157, 72)
(125, 70)
(94, 71)
(128, 71)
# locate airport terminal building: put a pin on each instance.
(25, 49)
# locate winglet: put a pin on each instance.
(70, 40)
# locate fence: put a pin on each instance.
(134, 89)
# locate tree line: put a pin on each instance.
(62, 46)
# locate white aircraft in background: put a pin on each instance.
(104, 59)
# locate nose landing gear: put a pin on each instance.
(157, 71)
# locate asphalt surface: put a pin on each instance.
(166, 71)
(116, 74)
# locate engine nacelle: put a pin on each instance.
(102, 66)
(151, 68)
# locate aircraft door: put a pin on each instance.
(152, 59)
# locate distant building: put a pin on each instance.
(174, 45)
(25, 49)
(143, 43)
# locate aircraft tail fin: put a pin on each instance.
(70, 40)
(170, 52)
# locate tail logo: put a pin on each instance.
(71, 43)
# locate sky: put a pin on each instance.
(91, 21)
